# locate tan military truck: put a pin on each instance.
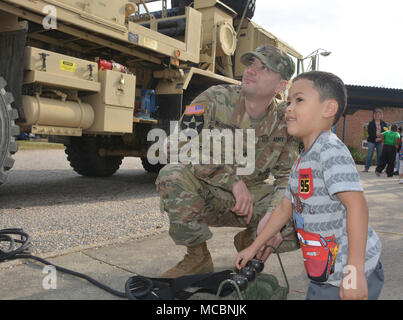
(98, 75)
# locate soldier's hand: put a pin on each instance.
(243, 200)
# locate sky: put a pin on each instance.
(365, 37)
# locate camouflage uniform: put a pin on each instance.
(200, 195)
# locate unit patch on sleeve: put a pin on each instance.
(193, 118)
(194, 121)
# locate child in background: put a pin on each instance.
(390, 142)
(401, 160)
(325, 198)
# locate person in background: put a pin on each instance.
(398, 154)
(391, 142)
(401, 160)
(375, 129)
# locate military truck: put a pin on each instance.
(98, 75)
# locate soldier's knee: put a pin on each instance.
(170, 174)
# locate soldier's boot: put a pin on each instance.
(243, 239)
(196, 261)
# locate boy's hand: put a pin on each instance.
(263, 222)
(359, 293)
(274, 241)
(243, 200)
(244, 256)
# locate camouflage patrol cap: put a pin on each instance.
(273, 58)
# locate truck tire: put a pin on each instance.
(152, 168)
(8, 131)
(82, 153)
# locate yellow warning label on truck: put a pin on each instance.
(67, 66)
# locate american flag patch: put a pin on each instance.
(194, 109)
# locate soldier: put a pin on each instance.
(197, 196)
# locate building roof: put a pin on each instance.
(369, 98)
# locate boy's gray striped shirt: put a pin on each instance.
(333, 171)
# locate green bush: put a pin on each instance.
(37, 145)
(358, 156)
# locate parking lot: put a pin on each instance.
(111, 228)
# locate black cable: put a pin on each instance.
(136, 287)
(22, 252)
(11, 252)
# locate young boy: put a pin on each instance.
(324, 196)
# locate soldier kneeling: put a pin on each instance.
(197, 196)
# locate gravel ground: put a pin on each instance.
(63, 211)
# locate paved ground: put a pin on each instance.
(113, 261)
(61, 210)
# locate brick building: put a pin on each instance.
(361, 102)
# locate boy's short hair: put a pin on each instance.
(329, 86)
(393, 127)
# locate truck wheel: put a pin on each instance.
(82, 153)
(8, 131)
(152, 168)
